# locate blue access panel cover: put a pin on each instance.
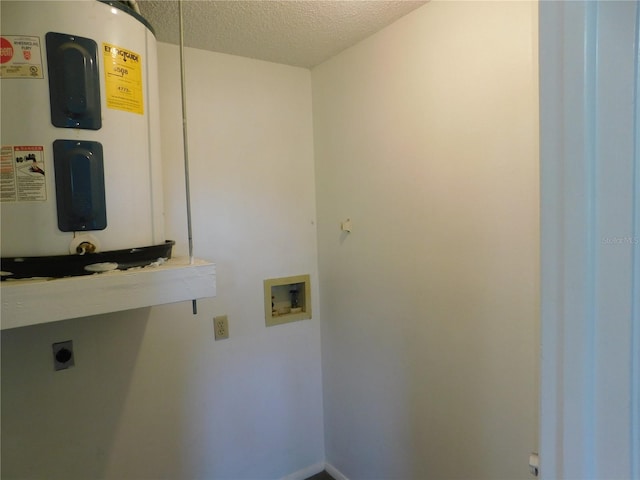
(74, 82)
(80, 194)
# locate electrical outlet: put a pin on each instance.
(221, 327)
(63, 355)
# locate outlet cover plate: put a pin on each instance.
(221, 327)
(63, 356)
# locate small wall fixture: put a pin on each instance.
(63, 355)
(287, 299)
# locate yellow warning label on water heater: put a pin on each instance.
(123, 79)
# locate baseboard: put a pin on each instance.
(313, 469)
(334, 472)
(306, 472)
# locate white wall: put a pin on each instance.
(152, 395)
(426, 137)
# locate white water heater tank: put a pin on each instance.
(80, 128)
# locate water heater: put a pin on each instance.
(80, 169)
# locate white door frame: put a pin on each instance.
(590, 244)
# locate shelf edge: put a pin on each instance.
(30, 302)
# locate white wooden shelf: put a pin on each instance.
(33, 301)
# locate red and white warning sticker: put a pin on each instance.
(22, 174)
(20, 57)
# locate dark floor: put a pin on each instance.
(323, 475)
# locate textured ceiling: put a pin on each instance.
(295, 32)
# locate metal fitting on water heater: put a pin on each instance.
(84, 243)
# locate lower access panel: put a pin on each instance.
(80, 195)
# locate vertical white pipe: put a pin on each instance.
(186, 143)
